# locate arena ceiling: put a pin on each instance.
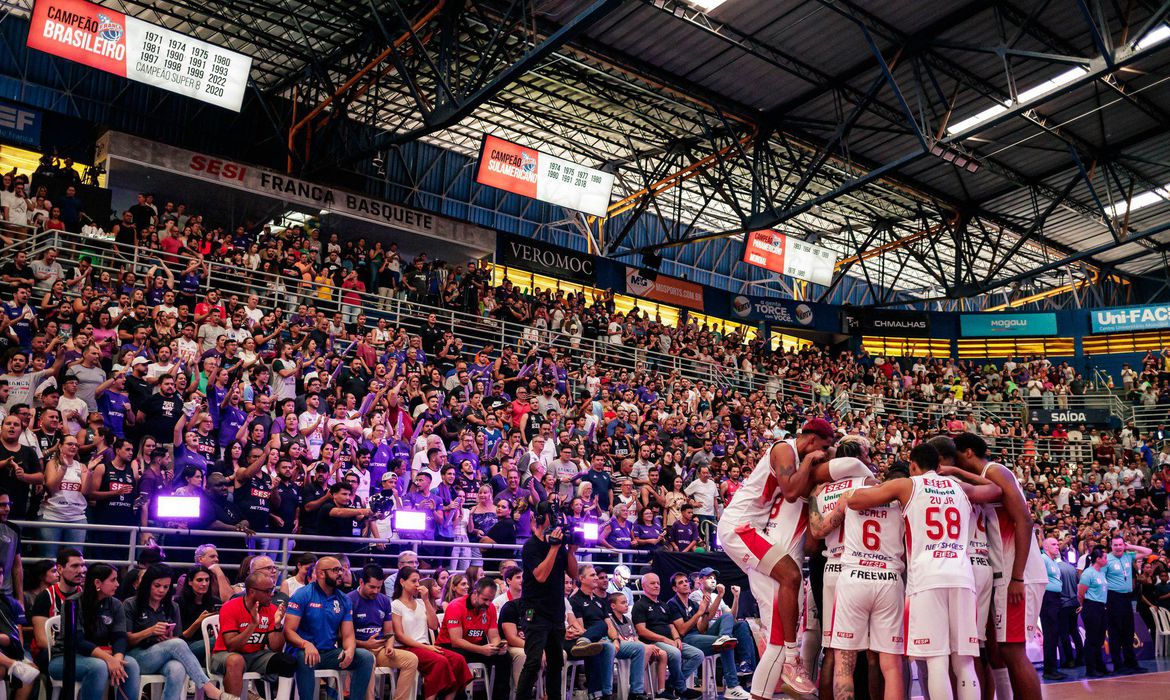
(943, 149)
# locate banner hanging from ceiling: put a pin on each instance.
(110, 41)
(528, 172)
(790, 256)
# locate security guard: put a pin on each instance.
(1093, 594)
(1050, 609)
(1119, 607)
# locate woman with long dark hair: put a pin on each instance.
(197, 601)
(103, 631)
(444, 672)
(153, 617)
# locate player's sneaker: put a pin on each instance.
(723, 643)
(793, 675)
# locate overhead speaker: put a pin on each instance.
(651, 260)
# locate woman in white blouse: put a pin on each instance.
(413, 616)
(66, 483)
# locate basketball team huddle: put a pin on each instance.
(931, 564)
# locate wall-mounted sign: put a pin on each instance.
(905, 324)
(668, 290)
(784, 312)
(991, 325)
(107, 40)
(790, 256)
(1131, 318)
(20, 125)
(545, 259)
(1070, 416)
(525, 171)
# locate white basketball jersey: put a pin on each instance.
(938, 519)
(1001, 538)
(873, 541)
(979, 548)
(753, 500)
(826, 501)
(787, 520)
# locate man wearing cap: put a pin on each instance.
(723, 620)
(763, 531)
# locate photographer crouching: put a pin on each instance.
(548, 555)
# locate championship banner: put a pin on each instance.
(113, 42)
(790, 256)
(903, 324)
(1131, 318)
(525, 171)
(668, 290)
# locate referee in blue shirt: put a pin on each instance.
(1119, 607)
(1050, 609)
(1093, 593)
(319, 627)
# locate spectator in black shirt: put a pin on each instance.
(162, 411)
(547, 558)
(653, 620)
(19, 467)
(338, 514)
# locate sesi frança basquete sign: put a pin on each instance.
(110, 41)
(525, 171)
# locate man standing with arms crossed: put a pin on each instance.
(763, 530)
(1018, 591)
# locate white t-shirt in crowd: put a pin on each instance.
(704, 493)
(414, 622)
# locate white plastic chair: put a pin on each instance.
(210, 629)
(1162, 633)
(480, 673)
(707, 682)
(569, 676)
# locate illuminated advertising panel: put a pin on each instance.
(525, 171)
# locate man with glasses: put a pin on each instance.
(319, 627)
(251, 638)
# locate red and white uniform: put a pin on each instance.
(1014, 622)
(870, 605)
(984, 564)
(758, 528)
(826, 502)
(940, 586)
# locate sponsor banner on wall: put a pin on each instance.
(648, 284)
(545, 259)
(528, 172)
(784, 312)
(906, 324)
(992, 325)
(790, 256)
(1131, 318)
(119, 146)
(20, 125)
(110, 41)
(1070, 416)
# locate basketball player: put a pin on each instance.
(1019, 590)
(940, 587)
(823, 526)
(870, 597)
(984, 558)
(762, 529)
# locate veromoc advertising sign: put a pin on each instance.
(545, 259)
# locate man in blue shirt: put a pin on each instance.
(1050, 609)
(1119, 606)
(319, 628)
(373, 630)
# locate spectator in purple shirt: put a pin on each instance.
(683, 534)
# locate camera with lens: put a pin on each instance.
(557, 517)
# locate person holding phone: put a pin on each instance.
(470, 630)
(151, 618)
(374, 630)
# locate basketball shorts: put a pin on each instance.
(941, 621)
(869, 612)
(1017, 622)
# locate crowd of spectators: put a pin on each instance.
(292, 405)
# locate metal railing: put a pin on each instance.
(480, 331)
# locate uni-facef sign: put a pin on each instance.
(110, 41)
(528, 172)
(1131, 318)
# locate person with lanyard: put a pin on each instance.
(319, 627)
(1093, 595)
(374, 629)
(1119, 607)
(691, 619)
(1050, 609)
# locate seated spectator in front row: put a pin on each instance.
(101, 634)
(470, 630)
(652, 620)
(250, 639)
(374, 628)
(12, 661)
(413, 616)
(591, 608)
(319, 627)
(151, 618)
